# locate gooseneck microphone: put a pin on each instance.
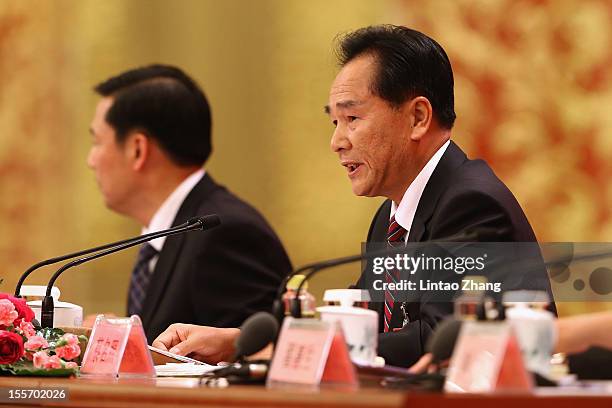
(473, 235)
(55, 260)
(196, 223)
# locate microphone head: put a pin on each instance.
(442, 342)
(206, 221)
(256, 333)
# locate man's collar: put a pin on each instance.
(166, 213)
(405, 211)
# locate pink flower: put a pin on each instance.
(24, 312)
(43, 360)
(53, 362)
(8, 314)
(68, 347)
(71, 365)
(35, 342)
(70, 339)
(40, 358)
(27, 329)
(69, 351)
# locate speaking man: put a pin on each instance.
(151, 138)
(392, 105)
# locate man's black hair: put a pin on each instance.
(410, 64)
(165, 104)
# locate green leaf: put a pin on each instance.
(28, 369)
(52, 335)
(6, 370)
(41, 372)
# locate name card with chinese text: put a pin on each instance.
(487, 358)
(310, 351)
(117, 347)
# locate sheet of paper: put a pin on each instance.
(184, 369)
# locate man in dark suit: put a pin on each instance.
(151, 138)
(393, 107)
(461, 195)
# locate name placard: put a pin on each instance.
(117, 347)
(310, 351)
(487, 358)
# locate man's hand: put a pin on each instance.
(422, 366)
(576, 334)
(208, 344)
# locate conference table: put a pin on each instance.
(185, 392)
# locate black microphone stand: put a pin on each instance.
(55, 260)
(47, 308)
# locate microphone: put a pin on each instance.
(55, 260)
(256, 332)
(471, 235)
(196, 223)
(441, 345)
(61, 258)
(442, 341)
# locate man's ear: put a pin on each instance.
(421, 114)
(138, 149)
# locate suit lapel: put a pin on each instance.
(453, 157)
(378, 231)
(172, 248)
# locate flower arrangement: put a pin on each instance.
(29, 350)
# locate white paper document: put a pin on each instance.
(184, 369)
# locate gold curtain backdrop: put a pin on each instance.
(533, 98)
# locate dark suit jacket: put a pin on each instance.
(461, 194)
(217, 277)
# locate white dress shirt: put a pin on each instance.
(404, 212)
(166, 213)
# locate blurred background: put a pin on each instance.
(533, 89)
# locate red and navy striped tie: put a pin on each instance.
(396, 234)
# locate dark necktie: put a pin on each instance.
(396, 235)
(141, 277)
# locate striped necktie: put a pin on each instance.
(141, 277)
(396, 235)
